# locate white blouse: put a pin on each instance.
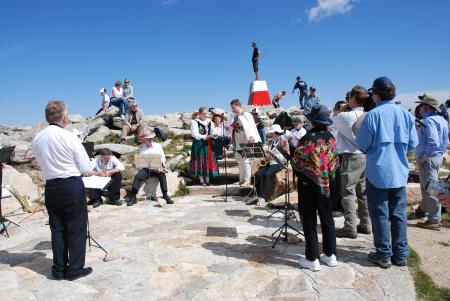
(195, 133)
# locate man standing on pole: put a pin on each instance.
(63, 161)
(255, 60)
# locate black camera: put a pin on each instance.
(369, 103)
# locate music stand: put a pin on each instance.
(89, 147)
(151, 162)
(283, 229)
(252, 151)
(5, 155)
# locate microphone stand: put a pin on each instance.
(225, 157)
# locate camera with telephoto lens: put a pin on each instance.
(369, 104)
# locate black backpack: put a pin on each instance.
(444, 112)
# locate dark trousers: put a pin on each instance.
(113, 189)
(311, 202)
(301, 97)
(262, 179)
(336, 195)
(143, 175)
(66, 205)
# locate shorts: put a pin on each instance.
(255, 66)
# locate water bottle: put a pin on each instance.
(436, 188)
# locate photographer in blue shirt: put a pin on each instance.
(386, 135)
(433, 142)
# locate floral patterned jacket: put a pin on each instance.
(316, 157)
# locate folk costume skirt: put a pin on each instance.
(203, 162)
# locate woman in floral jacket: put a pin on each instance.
(315, 163)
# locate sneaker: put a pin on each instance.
(379, 261)
(328, 260)
(346, 233)
(310, 265)
(399, 263)
(261, 202)
(252, 201)
(363, 229)
(429, 225)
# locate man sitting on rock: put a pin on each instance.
(106, 165)
(144, 174)
(132, 123)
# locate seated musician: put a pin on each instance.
(106, 165)
(263, 176)
(150, 147)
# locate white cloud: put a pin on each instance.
(408, 99)
(169, 2)
(328, 8)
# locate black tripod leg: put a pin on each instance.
(279, 235)
(273, 213)
(4, 228)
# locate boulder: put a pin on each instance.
(120, 149)
(76, 118)
(413, 193)
(186, 134)
(155, 121)
(186, 119)
(117, 122)
(152, 187)
(99, 135)
(174, 120)
(86, 128)
(108, 115)
(172, 163)
(22, 185)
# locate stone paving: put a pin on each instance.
(198, 249)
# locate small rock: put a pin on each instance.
(121, 149)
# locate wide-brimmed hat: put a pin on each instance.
(275, 128)
(148, 135)
(320, 115)
(429, 99)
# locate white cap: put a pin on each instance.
(275, 128)
(102, 90)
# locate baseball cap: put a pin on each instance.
(381, 83)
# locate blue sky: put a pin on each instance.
(182, 54)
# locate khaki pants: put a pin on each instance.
(245, 171)
(131, 129)
(353, 190)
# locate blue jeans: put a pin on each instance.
(388, 205)
(262, 134)
(121, 103)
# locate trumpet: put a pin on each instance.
(263, 162)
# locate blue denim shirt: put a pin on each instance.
(433, 137)
(386, 135)
(310, 101)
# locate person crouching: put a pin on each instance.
(315, 163)
(150, 147)
(106, 165)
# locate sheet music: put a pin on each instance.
(6, 193)
(151, 161)
(95, 182)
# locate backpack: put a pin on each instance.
(443, 112)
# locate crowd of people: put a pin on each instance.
(353, 159)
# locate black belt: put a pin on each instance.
(57, 180)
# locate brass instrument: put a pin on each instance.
(263, 162)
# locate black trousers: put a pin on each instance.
(67, 210)
(336, 195)
(311, 202)
(143, 175)
(113, 189)
(262, 179)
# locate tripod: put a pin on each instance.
(224, 151)
(90, 238)
(283, 229)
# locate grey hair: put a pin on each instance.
(55, 111)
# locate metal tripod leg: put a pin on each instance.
(4, 226)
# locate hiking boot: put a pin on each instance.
(310, 265)
(252, 201)
(429, 225)
(168, 199)
(117, 202)
(328, 260)
(346, 233)
(132, 200)
(379, 261)
(363, 229)
(97, 203)
(399, 263)
(79, 274)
